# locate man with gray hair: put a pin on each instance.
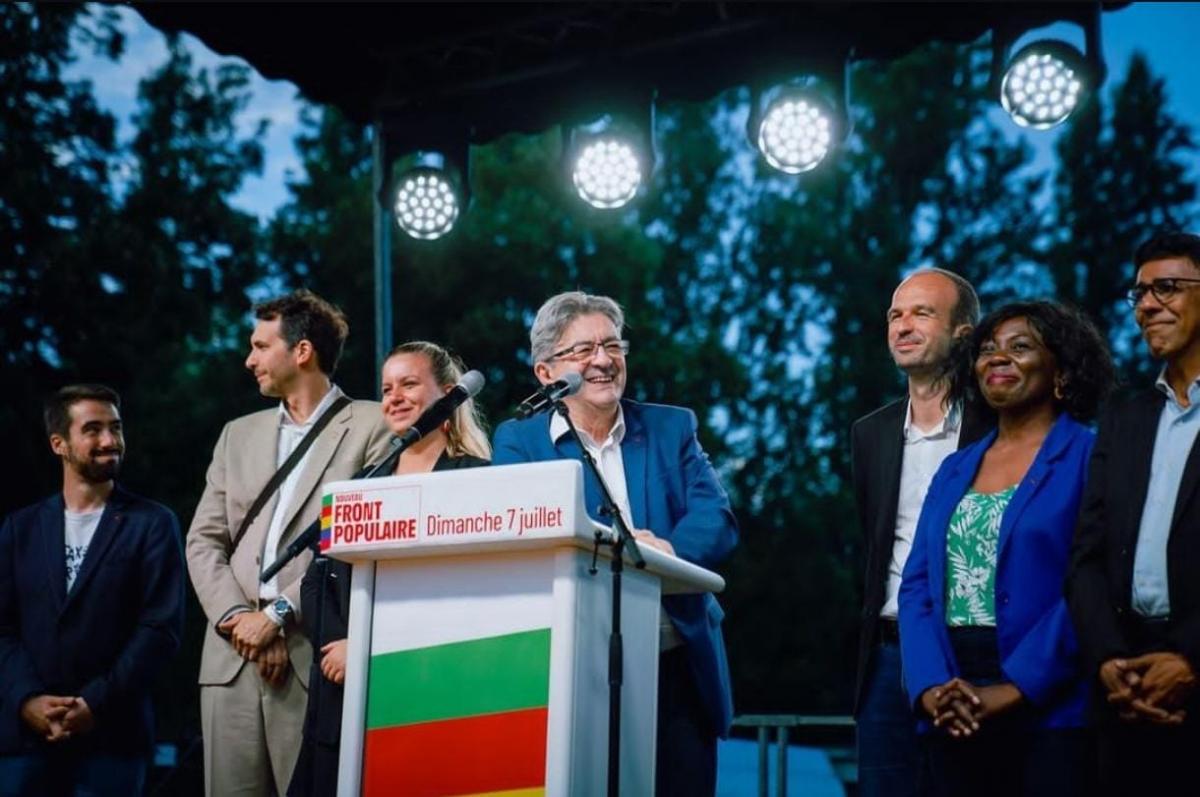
(894, 453)
(686, 514)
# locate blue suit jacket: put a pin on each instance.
(105, 639)
(674, 492)
(1038, 649)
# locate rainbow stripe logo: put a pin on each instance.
(326, 521)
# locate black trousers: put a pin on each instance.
(686, 763)
(1010, 756)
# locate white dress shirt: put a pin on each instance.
(1177, 429)
(612, 467)
(608, 458)
(290, 435)
(922, 456)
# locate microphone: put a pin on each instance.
(470, 384)
(546, 395)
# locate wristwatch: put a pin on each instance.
(281, 611)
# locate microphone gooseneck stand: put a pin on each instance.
(616, 653)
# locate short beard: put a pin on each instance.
(94, 472)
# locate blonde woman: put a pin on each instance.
(414, 376)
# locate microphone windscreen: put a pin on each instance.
(573, 381)
(472, 382)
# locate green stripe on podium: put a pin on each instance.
(460, 679)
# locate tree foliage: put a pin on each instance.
(56, 147)
(1122, 173)
(123, 262)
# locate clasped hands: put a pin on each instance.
(960, 707)
(256, 638)
(1150, 688)
(56, 717)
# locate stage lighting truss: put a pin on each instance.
(1044, 84)
(428, 198)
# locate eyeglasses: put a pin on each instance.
(586, 351)
(1164, 289)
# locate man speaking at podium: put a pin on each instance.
(668, 495)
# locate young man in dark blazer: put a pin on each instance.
(1134, 586)
(894, 453)
(91, 609)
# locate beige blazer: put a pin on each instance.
(243, 461)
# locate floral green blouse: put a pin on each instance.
(971, 543)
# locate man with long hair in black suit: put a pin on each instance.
(895, 452)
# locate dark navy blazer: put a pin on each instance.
(674, 492)
(1038, 649)
(105, 639)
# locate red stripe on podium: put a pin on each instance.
(493, 752)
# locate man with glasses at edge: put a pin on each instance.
(1133, 587)
(669, 496)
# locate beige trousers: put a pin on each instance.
(252, 734)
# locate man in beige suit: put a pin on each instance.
(255, 665)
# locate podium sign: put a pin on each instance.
(478, 638)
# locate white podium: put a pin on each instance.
(477, 659)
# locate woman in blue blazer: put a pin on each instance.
(989, 655)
